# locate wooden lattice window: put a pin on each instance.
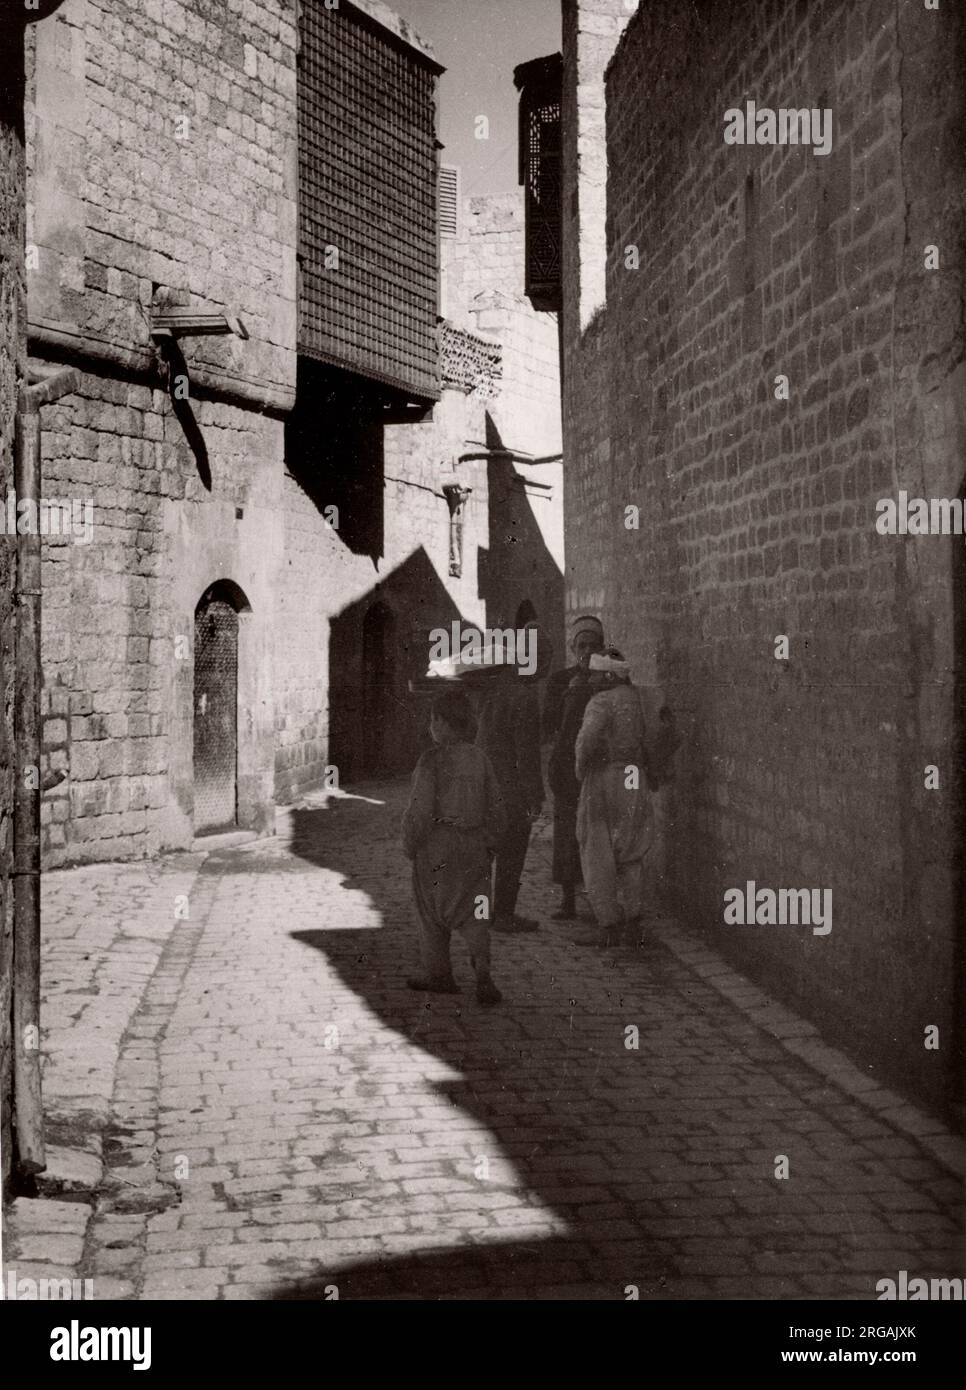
(539, 84)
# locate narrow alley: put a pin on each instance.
(287, 1120)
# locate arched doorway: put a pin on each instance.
(526, 613)
(216, 708)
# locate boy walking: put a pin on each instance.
(450, 830)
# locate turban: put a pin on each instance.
(593, 625)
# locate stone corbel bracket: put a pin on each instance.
(188, 323)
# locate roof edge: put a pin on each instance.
(400, 29)
(537, 71)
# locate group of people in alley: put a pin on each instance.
(478, 790)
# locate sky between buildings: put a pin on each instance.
(481, 42)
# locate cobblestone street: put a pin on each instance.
(288, 1119)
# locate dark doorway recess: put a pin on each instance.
(216, 708)
(377, 645)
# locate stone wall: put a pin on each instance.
(484, 270)
(485, 291)
(12, 352)
(162, 175)
(339, 702)
(591, 30)
(757, 514)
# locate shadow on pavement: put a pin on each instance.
(577, 1115)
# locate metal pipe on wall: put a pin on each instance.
(31, 1156)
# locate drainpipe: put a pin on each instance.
(27, 785)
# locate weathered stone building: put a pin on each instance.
(695, 279)
(384, 582)
(271, 539)
(161, 175)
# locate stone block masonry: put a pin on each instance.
(757, 513)
(483, 271)
(484, 280)
(162, 143)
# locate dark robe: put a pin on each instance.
(566, 699)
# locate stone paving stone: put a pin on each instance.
(333, 1129)
(71, 1169)
(107, 1287)
(54, 1246)
(32, 1218)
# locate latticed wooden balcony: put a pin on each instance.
(368, 242)
(539, 84)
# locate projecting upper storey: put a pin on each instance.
(539, 85)
(368, 242)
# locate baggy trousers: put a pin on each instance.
(451, 873)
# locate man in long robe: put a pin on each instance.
(615, 825)
(566, 699)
